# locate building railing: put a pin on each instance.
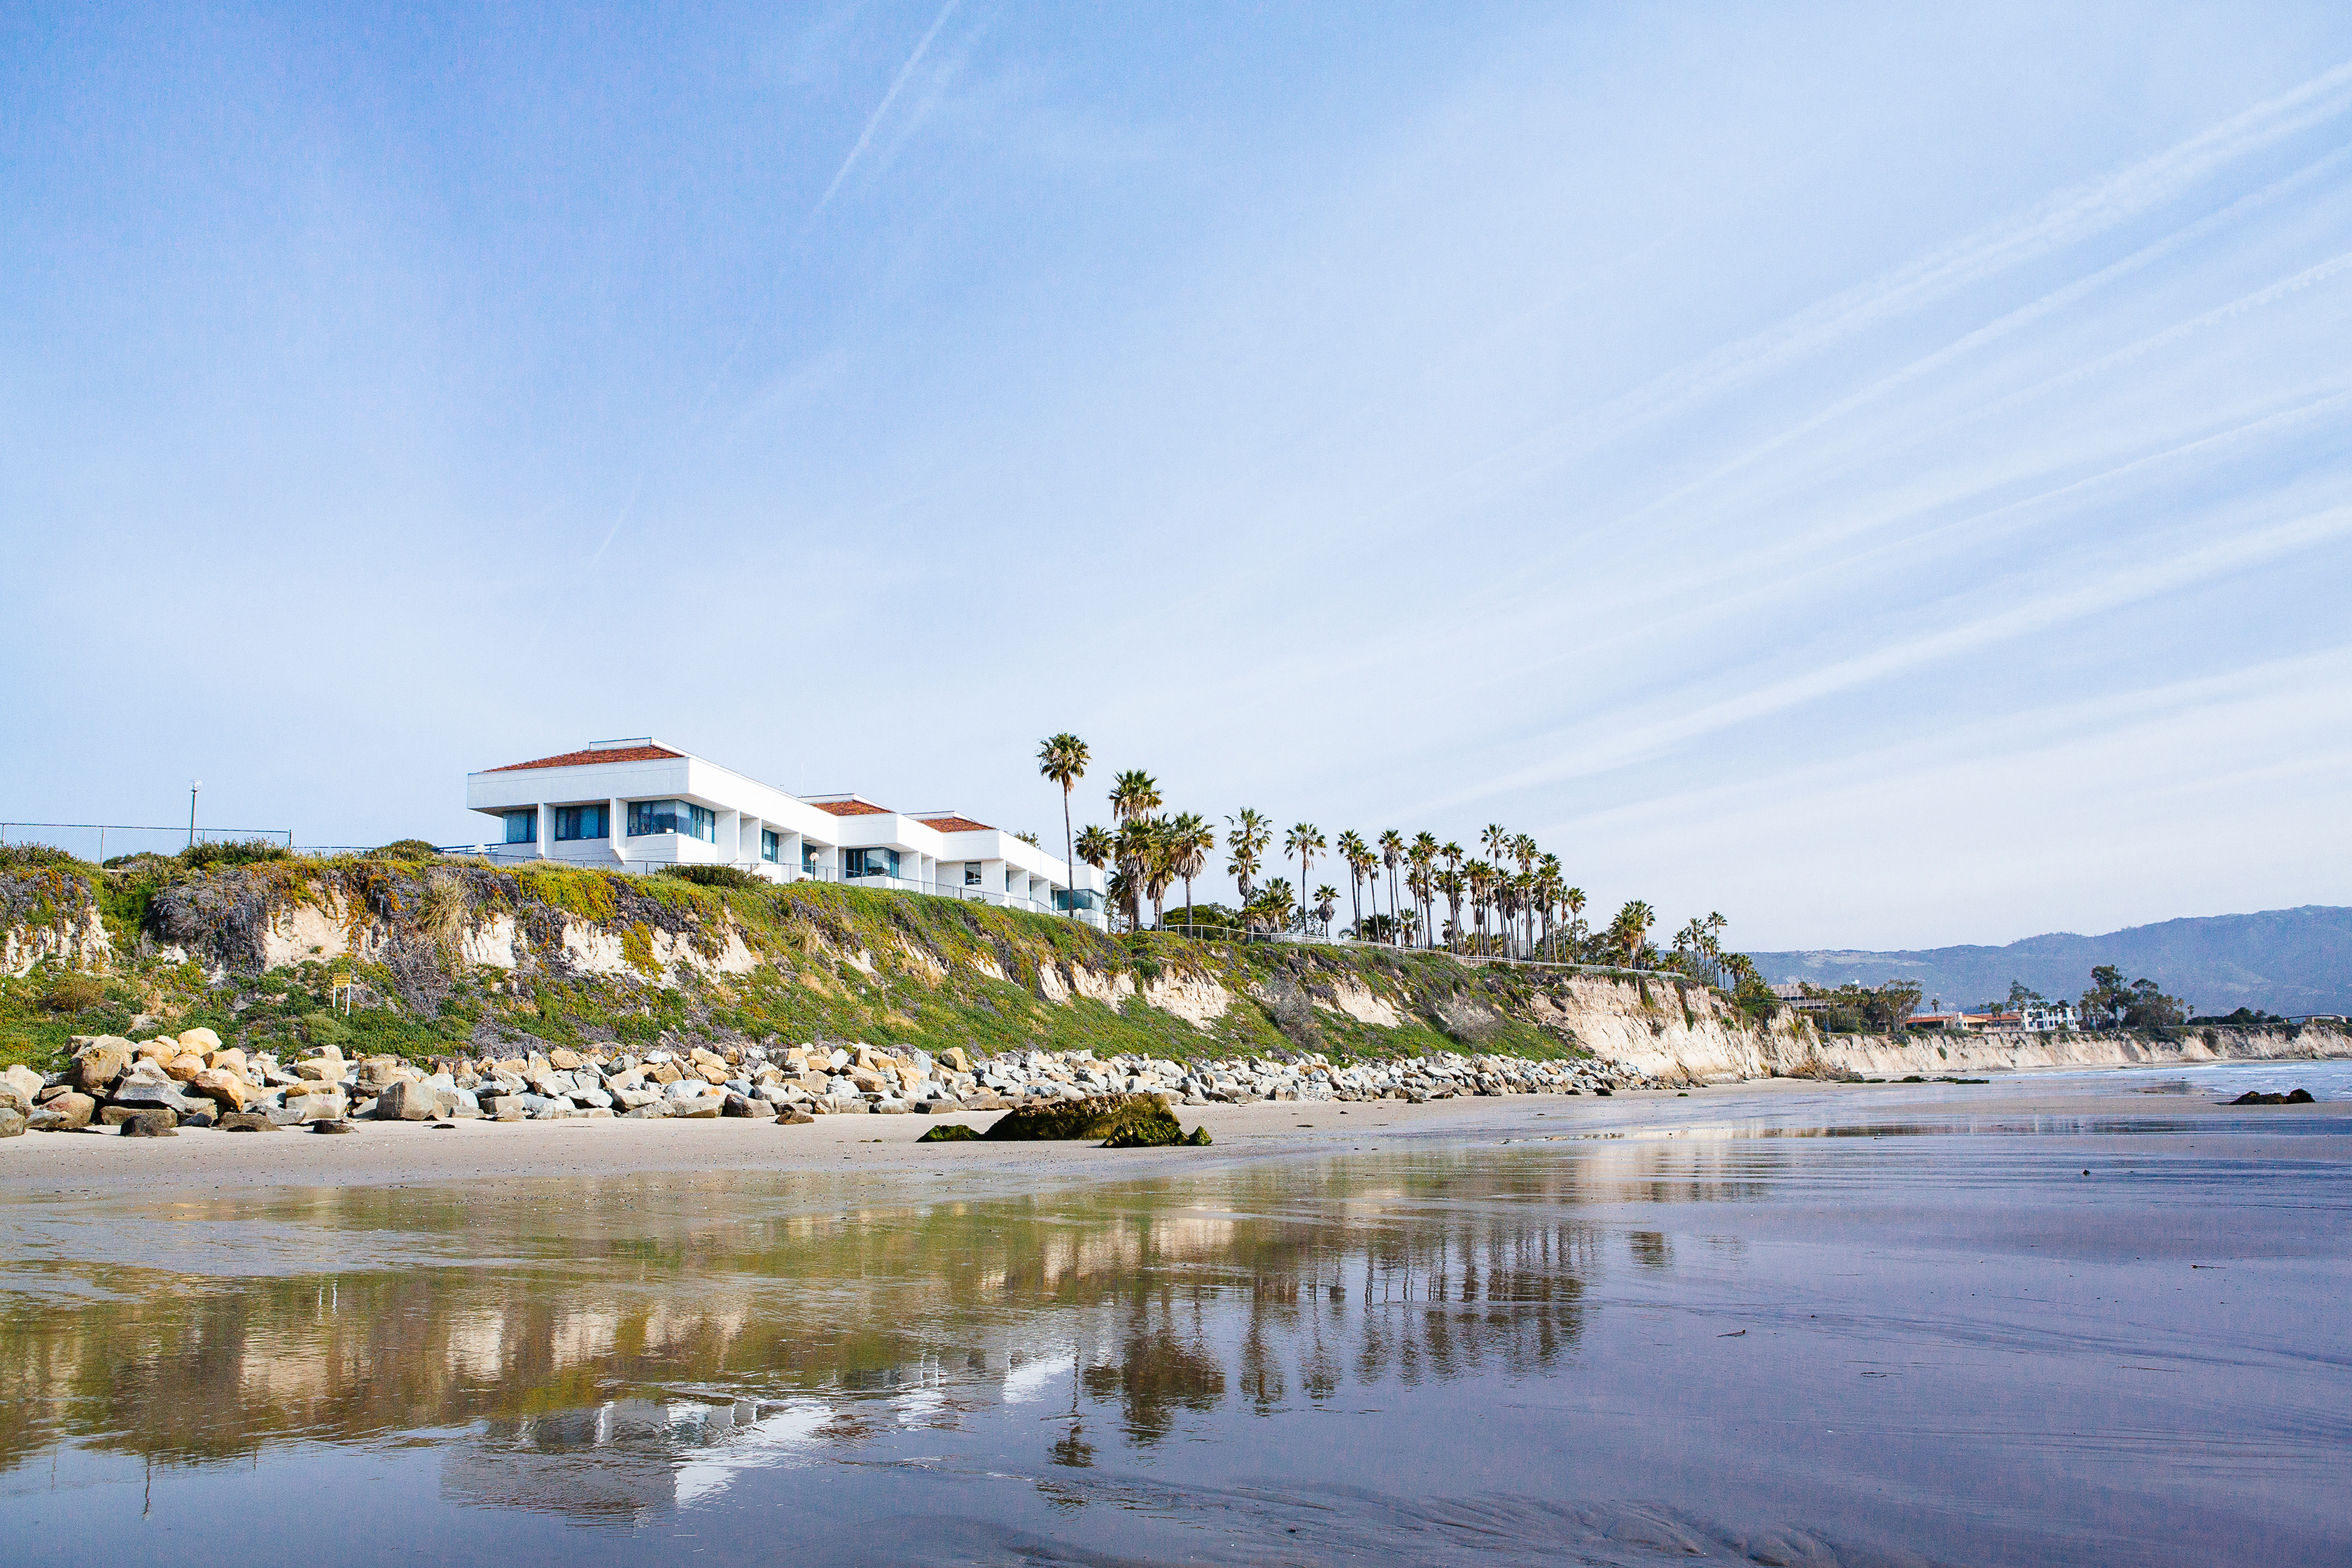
(173, 837)
(778, 872)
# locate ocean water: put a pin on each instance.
(1861, 1326)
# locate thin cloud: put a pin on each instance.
(866, 137)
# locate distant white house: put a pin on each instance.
(637, 804)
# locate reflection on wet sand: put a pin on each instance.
(623, 1333)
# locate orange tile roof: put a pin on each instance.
(603, 755)
(951, 823)
(851, 807)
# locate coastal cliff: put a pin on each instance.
(420, 956)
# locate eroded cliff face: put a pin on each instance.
(928, 965)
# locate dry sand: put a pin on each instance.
(202, 1160)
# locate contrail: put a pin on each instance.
(702, 404)
(884, 107)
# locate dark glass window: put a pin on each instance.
(771, 845)
(971, 873)
(808, 858)
(584, 822)
(649, 816)
(869, 863)
(522, 826)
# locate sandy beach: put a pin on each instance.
(96, 1164)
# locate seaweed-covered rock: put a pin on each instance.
(1199, 1138)
(949, 1132)
(1121, 1121)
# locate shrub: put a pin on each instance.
(34, 858)
(713, 876)
(405, 849)
(232, 852)
(73, 993)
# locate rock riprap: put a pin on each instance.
(191, 1079)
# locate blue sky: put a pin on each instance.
(1882, 476)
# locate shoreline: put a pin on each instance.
(104, 1164)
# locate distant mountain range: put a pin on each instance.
(2279, 961)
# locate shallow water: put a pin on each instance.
(1867, 1326)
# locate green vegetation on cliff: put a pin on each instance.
(408, 953)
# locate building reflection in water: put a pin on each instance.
(638, 1344)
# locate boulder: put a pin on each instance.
(317, 1105)
(697, 1108)
(199, 1040)
(1123, 1120)
(97, 1065)
(507, 1108)
(10, 1100)
(330, 1127)
(792, 1117)
(246, 1121)
(12, 1122)
(223, 1087)
(738, 1105)
(565, 1061)
(321, 1069)
(151, 1125)
(23, 1079)
(228, 1056)
(954, 1060)
(65, 1112)
(949, 1132)
(409, 1099)
(152, 1094)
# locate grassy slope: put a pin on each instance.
(929, 958)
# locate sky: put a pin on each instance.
(1877, 472)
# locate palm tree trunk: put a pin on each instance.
(1069, 854)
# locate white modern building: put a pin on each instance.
(638, 806)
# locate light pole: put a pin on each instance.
(194, 785)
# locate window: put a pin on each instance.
(522, 826)
(1067, 898)
(650, 816)
(808, 859)
(971, 873)
(771, 845)
(869, 862)
(584, 822)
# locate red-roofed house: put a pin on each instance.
(637, 804)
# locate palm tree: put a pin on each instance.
(1482, 889)
(1357, 856)
(1063, 759)
(1422, 853)
(1306, 841)
(1271, 908)
(1134, 794)
(1449, 882)
(1523, 851)
(1190, 839)
(1549, 886)
(1094, 846)
(1137, 847)
(1416, 882)
(1392, 856)
(1326, 902)
(1630, 930)
(1572, 901)
(1247, 841)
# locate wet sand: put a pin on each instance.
(98, 1163)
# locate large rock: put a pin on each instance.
(151, 1125)
(67, 1112)
(23, 1079)
(199, 1040)
(1121, 1121)
(321, 1069)
(12, 1122)
(152, 1094)
(701, 1106)
(185, 1068)
(738, 1105)
(222, 1086)
(788, 1117)
(409, 1099)
(97, 1065)
(565, 1061)
(10, 1100)
(319, 1104)
(248, 1121)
